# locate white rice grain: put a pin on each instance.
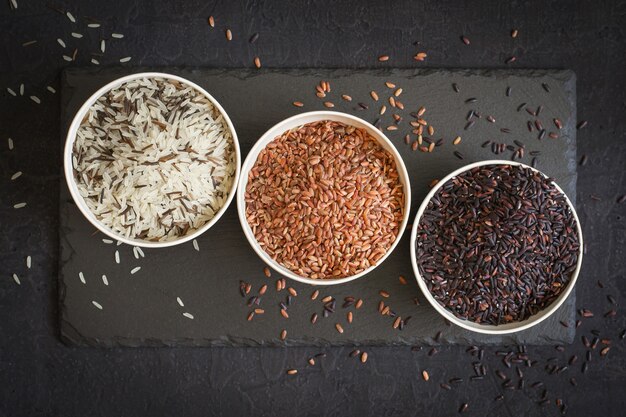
(140, 252)
(102, 46)
(180, 302)
(67, 58)
(82, 277)
(97, 304)
(29, 261)
(10, 90)
(126, 59)
(117, 257)
(16, 175)
(117, 35)
(10, 143)
(107, 241)
(61, 42)
(21, 89)
(77, 35)
(195, 245)
(135, 253)
(51, 89)
(14, 4)
(183, 175)
(135, 270)
(71, 17)
(19, 205)
(17, 279)
(95, 61)
(93, 25)
(35, 99)
(105, 280)
(189, 316)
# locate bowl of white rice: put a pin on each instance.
(152, 160)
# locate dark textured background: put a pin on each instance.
(41, 376)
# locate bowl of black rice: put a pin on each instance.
(496, 247)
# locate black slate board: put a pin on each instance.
(142, 310)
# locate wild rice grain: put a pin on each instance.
(157, 128)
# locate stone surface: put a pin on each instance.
(141, 309)
(42, 376)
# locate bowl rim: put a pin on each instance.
(73, 187)
(278, 129)
(488, 328)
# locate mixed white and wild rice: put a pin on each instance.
(154, 159)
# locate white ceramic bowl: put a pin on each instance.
(294, 122)
(71, 182)
(485, 328)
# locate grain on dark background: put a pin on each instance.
(40, 376)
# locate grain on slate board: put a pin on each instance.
(475, 222)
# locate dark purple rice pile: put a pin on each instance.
(497, 244)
